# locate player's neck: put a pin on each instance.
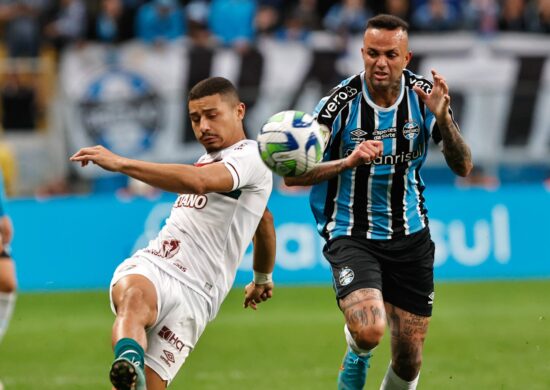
(384, 97)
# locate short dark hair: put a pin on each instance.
(388, 22)
(212, 86)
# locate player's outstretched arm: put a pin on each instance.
(364, 153)
(457, 153)
(261, 289)
(178, 178)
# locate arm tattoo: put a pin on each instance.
(324, 171)
(456, 152)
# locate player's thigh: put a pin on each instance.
(136, 274)
(357, 282)
(182, 319)
(8, 282)
(408, 273)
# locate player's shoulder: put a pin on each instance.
(412, 79)
(338, 97)
(243, 147)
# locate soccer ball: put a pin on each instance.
(291, 143)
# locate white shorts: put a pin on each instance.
(182, 317)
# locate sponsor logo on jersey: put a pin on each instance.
(380, 134)
(337, 101)
(424, 85)
(167, 249)
(167, 334)
(358, 135)
(167, 357)
(392, 159)
(179, 266)
(192, 201)
(411, 130)
(346, 276)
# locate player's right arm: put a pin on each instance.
(263, 262)
(364, 153)
(178, 178)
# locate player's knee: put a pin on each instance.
(368, 337)
(8, 284)
(132, 299)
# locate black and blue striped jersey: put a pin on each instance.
(383, 199)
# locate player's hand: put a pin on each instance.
(100, 156)
(438, 100)
(257, 293)
(364, 153)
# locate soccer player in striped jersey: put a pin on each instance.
(166, 293)
(367, 199)
(8, 281)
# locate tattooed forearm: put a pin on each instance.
(322, 172)
(456, 151)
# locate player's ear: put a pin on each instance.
(241, 110)
(408, 58)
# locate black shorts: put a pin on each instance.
(401, 268)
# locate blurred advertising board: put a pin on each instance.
(76, 242)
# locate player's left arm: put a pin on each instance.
(178, 178)
(457, 153)
(261, 289)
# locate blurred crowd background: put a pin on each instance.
(46, 43)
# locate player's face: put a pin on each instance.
(216, 121)
(385, 55)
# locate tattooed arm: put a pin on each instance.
(456, 152)
(364, 153)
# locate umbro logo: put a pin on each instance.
(358, 135)
(167, 357)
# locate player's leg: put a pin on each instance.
(364, 312)
(408, 294)
(183, 317)
(134, 300)
(8, 286)
(408, 332)
(357, 281)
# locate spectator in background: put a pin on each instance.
(539, 16)
(68, 24)
(436, 15)
(347, 18)
(306, 12)
(400, 8)
(267, 20)
(481, 16)
(160, 21)
(512, 16)
(19, 108)
(23, 24)
(293, 29)
(232, 21)
(197, 12)
(112, 23)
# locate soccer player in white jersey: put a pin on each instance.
(166, 293)
(8, 282)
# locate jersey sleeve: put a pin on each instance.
(328, 110)
(245, 165)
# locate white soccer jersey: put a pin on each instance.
(206, 236)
